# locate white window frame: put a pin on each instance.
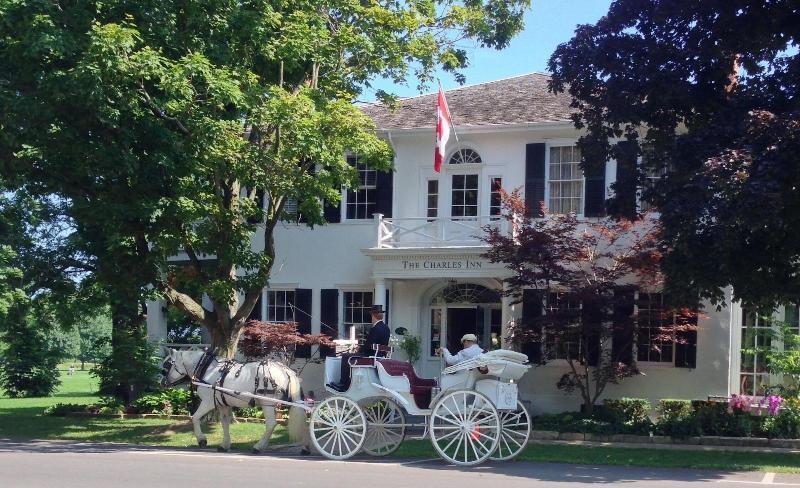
(426, 194)
(346, 331)
(345, 191)
(548, 147)
(265, 302)
(650, 364)
(489, 192)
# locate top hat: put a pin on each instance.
(377, 309)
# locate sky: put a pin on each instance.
(547, 24)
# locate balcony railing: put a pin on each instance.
(433, 232)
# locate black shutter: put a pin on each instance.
(255, 314)
(591, 322)
(302, 302)
(329, 318)
(534, 177)
(623, 326)
(386, 307)
(686, 345)
(383, 193)
(595, 204)
(624, 202)
(332, 213)
(532, 321)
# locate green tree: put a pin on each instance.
(94, 336)
(164, 123)
(708, 92)
(42, 262)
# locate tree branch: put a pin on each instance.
(159, 112)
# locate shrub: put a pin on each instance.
(173, 401)
(61, 409)
(630, 414)
(109, 405)
(676, 419)
(29, 366)
(250, 412)
(785, 425)
(673, 409)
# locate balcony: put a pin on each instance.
(414, 232)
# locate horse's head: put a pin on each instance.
(173, 371)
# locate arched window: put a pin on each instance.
(465, 156)
(465, 293)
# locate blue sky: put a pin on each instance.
(547, 24)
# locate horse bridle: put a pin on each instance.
(169, 364)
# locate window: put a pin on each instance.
(566, 343)
(756, 337)
(433, 199)
(280, 305)
(651, 318)
(566, 180)
(357, 313)
(791, 315)
(436, 330)
(465, 196)
(495, 198)
(652, 175)
(361, 202)
(465, 156)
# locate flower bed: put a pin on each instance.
(741, 417)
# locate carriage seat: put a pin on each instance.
(420, 388)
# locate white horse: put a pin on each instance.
(268, 378)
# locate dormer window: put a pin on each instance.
(465, 156)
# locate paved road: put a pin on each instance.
(66, 465)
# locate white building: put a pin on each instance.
(408, 240)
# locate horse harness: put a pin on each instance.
(262, 377)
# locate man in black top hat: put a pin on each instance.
(378, 334)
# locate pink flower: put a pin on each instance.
(774, 404)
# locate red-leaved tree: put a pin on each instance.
(278, 340)
(576, 281)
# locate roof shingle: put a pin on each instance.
(522, 99)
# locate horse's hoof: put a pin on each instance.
(255, 451)
(202, 443)
(222, 449)
(305, 451)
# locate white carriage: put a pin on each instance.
(472, 412)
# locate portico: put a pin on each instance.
(441, 293)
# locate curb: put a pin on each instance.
(551, 435)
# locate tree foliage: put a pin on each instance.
(279, 340)
(164, 123)
(580, 271)
(708, 92)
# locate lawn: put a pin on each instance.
(23, 419)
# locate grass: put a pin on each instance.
(22, 419)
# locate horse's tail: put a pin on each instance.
(298, 430)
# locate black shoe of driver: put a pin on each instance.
(338, 387)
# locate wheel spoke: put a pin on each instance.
(453, 422)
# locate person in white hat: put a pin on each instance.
(471, 350)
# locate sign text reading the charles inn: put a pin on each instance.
(442, 264)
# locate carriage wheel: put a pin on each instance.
(386, 427)
(465, 427)
(338, 428)
(515, 430)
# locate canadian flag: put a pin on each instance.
(443, 126)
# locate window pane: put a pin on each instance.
(433, 186)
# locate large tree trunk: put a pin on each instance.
(126, 322)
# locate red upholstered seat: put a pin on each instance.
(420, 387)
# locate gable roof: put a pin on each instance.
(522, 99)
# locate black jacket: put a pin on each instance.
(378, 334)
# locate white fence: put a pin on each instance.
(434, 232)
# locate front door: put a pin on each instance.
(460, 321)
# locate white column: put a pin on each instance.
(156, 320)
(380, 292)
